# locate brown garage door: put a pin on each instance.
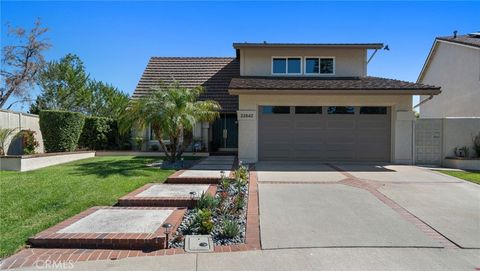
(328, 133)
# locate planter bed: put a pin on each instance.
(36, 161)
(232, 207)
(462, 163)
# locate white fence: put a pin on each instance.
(20, 121)
(436, 139)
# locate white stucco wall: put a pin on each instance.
(459, 132)
(456, 69)
(402, 119)
(258, 61)
(21, 121)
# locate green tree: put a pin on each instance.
(106, 100)
(64, 85)
(171, 111)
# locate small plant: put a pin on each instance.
(225, 184)
(230, 229)
(139, 142)
(476, 144)
(203, 221)
(241, 173)
(29, 142)
(5, 133)
(207, 201)
(238, 203)
(462, 152)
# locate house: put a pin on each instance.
(454, 64)
(285, 101)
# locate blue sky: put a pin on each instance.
(116, 39)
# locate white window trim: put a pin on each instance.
(319, 69)
(286, 67)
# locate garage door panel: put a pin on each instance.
(334, 137)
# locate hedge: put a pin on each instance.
(97, 133)
(61, 130)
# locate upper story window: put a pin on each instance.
(287, 65)
(319, 65)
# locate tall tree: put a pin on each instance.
(22, 62)
(171, 111)
(64, 86)
(106, 100)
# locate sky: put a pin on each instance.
(116, 39)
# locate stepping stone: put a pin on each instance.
(211, 167)
(167, 195)
(112, 228)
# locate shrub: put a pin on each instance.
(60, 130)
(207, 201)
(203, 221)
(29, 143)
(95, 133)
(241, 173)
(476, 144)
(230, 229)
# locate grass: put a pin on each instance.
(33, 201)
(471, 176)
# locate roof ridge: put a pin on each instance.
(193, 57)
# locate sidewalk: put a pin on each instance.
(299, 259)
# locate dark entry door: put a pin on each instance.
(225, 132)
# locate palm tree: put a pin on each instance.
(171, 111)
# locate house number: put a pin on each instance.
(246, 116)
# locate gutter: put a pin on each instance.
(430, 92)
(424, 101)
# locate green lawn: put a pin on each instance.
(471, 176)
(33, 201)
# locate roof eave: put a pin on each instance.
(238, 91)
(273, 45)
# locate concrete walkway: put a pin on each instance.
(337, 259)
(211, 167)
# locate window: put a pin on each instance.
(326, 66)
(343, 110)
(308, 110)
(312, 65)
(276, 109)
(287, 65)
(319, 65)
(373, 110)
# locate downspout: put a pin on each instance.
(424, 101)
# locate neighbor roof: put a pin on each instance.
(238, 45)
(329, 85)
(213, 73)
(471, 39)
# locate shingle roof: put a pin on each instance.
(237, 45)
(214, 73)
(472, 40)
(358, 85)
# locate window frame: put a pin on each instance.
(286, 65)
(319, 65)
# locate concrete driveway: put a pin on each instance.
(359, 205)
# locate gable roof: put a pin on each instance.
(213, 73)
(238, 45)
(329, 85)
(471, 40)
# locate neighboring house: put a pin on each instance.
(299, 102)
(454, 64)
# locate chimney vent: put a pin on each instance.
(455, 34)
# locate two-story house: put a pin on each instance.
(454, 64)
(299, 102)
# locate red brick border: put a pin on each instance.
(51, 238)
(132, 199)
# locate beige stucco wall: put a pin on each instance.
(455, 68)
(21, 121)
(402, 119)
(258, 61)
(459, 132)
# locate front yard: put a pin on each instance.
(471, 176)
(33, 201)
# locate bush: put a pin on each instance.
(203, 220)
(476, 144)
(207, 201)
(96, 133)
(61, 130)
(230, 229)
(29, 143)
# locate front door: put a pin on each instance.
(225, 132)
